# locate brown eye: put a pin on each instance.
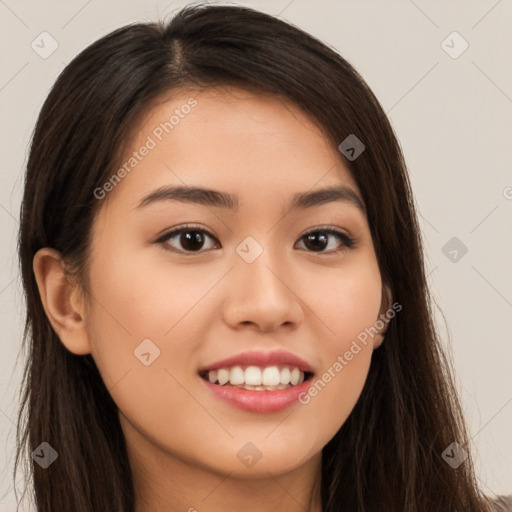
(186, 239)
(191, 240)
(319, 240)
(316, 241)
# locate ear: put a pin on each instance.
(385, 305)
(61, 301)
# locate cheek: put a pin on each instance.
(348, 305)
(131, 303)
(142, 307)
(136, 298)
(143, 340)
(346, 300)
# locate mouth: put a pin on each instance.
(257, 378)
(258, 381)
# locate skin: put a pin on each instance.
(202, 307)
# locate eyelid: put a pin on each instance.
(187, 227)
(328, 229)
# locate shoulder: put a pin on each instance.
(502, 503)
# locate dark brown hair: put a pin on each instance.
(387, 455)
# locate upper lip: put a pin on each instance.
(259, 358)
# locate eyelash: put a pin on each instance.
(349, 242)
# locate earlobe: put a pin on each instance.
(58, 297)
(386, 302)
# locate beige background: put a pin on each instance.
(452, 116)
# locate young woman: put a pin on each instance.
(226, 296)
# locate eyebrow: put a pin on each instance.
(215, 198)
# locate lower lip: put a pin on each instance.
(258, 401)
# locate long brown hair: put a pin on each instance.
(388, 454)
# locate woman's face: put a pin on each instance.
(242, 282)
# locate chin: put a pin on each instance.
(256, 456)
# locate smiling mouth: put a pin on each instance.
(255, 378)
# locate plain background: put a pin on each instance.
(451, 115)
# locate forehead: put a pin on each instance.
(253, 145)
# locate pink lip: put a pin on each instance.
(277, 357)
(258, 401)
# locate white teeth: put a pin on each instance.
(271, 376)
(285, 376)
(254, 378)
(222, 376)
(236, 375)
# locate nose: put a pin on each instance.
(261, 295)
